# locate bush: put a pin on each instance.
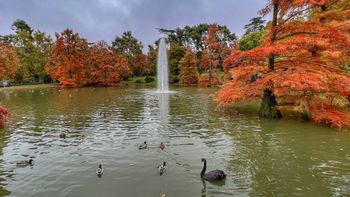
(149, 79)
(3, 114)
(204, 80)
(138, 81)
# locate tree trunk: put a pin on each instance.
(268, 106)
(273, 35)
(209, 78)
(272, 62)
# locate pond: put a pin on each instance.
(106, 125)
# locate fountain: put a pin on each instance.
(162, 67)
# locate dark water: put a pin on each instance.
(106, 125)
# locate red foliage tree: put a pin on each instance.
(8, 66)
(105, 66)
(3, 114)
(69, 59)
(204, 79)
(188, 68)
(121, 64)
(304, 70)
(213, 55)
(8, 60)
(141, 67)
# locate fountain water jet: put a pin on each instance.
(162, 67)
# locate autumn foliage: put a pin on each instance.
(301, 61)
(69, 59)
(213, 55)
(3, 114)
(204, 79)
(142, 67)
(74, 63)
(105, 67)
(8, 60)
(188, 68)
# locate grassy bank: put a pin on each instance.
(25, 87)
(146, 79)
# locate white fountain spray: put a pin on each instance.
(162, 67)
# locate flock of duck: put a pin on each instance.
(214, 175)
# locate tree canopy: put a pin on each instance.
(33, 48)
(8, 61)
(301, 61)
(127, 44)
(255, 25)
(195, 36)
(188, 69)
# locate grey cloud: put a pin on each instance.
(105, 19)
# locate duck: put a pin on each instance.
(99, 170)
(143, 146)
(215, 175)
(25, 163)
(162, 146)
(162, 168)
(62, 135)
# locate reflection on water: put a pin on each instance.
(105, 125)
(163, 107)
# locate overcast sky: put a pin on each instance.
(105, 19)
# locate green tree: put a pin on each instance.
(20, 25)
(33, 49)
(42, 52)
(176, 53)
(255, 24)
(251, 40)
(194, 36)
(129, 46)
(152, 59)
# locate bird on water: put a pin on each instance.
(214, 175)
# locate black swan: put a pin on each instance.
(214, 175)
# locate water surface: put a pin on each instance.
(106, 125)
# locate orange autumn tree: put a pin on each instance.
(141, 66)
(105, 67)
(300, 65)
(69, 59)
(3, 114)
(188, 68)
(212, 56)
(121, 64)
(8, 66)
(211, 78)
(8, 61)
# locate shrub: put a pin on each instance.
(149, 79)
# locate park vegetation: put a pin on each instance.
(299, 66)
(298, 61)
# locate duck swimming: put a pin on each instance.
(162, 168)
(99, 170)
(214, 175)
(161, 146)
(62, 135)
(143, 146)
(25, 163)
